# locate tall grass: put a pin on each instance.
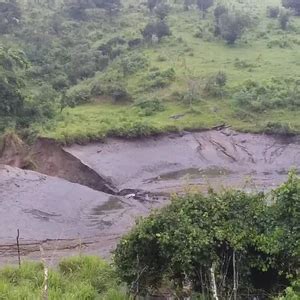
(76, 278)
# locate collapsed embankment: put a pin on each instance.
(72, 197)
(47, 157)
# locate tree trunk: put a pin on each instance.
(213, 282)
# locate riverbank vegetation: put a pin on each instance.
(80, 72)
(226, 245)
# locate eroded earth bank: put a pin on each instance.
(83, 198)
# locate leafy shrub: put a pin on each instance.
(292, 292)
(158, 79)
(215, 84)
(150, 107)
(278, 128)
(132, 63)
(283, 42)
(118, 92)
(199, 234)
(78, 94)
(134, 43)
(276, 93)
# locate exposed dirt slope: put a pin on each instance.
(48, 157)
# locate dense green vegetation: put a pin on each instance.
(230, 244)
(78, 71)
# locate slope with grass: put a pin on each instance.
(155, 86)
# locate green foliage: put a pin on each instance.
(215, 84)
(132, 63)
(150, 107)
(71, 44)
(77, 95)
(76, 278)
(158, 29)
(231, 25)
(10, 16)
(158, 79)
(291, 293)
(11, 83)
(276, 93)
(181, 242)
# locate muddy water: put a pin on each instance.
(69, 217)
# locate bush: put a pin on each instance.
(158, 79)
(282, 43)
(258, 97)
(199, 234)
(278, 128)
(215, 84)
(150, 107)
(132, 63)
(78, 94)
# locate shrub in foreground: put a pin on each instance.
(220, 243)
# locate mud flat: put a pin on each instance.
(92, 194)
(59, 215)
(170, 163)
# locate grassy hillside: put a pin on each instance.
(168, 85)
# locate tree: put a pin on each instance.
(11, 83)
(218, 12)
(284, 18)
(162, 10)
(10, 16)
(112, 7)
(273, 11)
(204, 5)
(152, 4)
(158, 29)
(293, 4)
(218, 243)
(187, 4)
(232, 25)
